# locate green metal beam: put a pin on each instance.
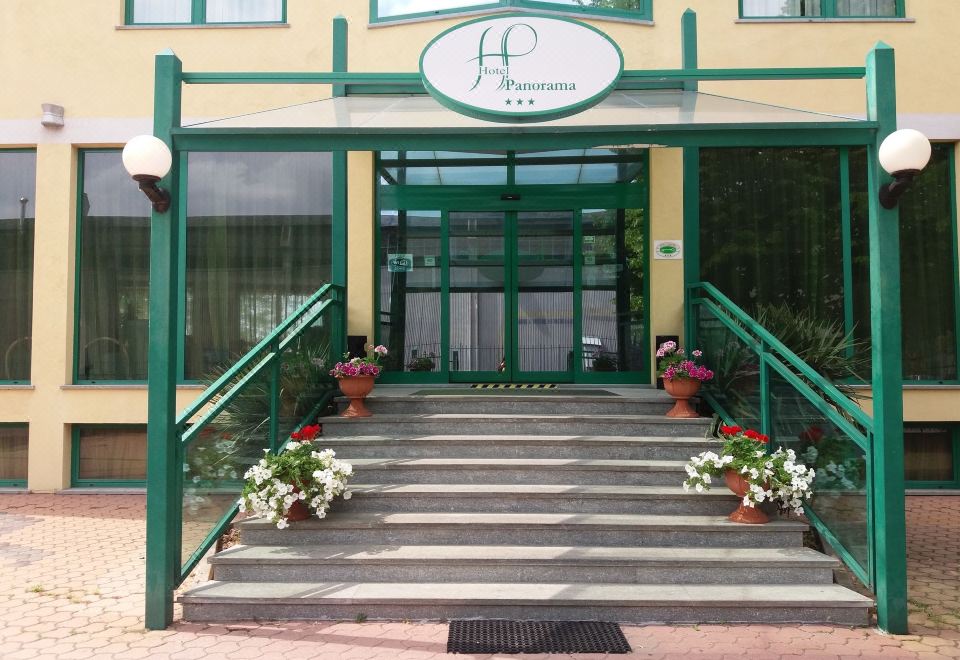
(888, 478)
(163, 463)
(532, 137)
(342, 77)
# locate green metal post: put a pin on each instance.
(766, 425)
(889, 540)
(691, 182)
(164, 471)
(688, 39)
(339, 52)
(338, 340)
(275, 371)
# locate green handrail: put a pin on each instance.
(819, 393)
(263, 362)
(774, 345)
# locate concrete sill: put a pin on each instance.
(825, 20)
(11, 386)
(102, 491)
(204, 26)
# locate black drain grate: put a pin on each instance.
(502, 636)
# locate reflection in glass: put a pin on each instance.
(736, 384)
(762, 8)
(258, 245)
(410, 295)
(244, 11)
(401, 7)
(477, 279)
(18, 174)
(928, 453)
(866, 7)
(840, 486)
(613, 253)
(545, 291)
(114, 273)
(13, 452)
(162, 11)
(773, 220)
(112, 453)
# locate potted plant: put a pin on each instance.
(355, 377)
(605, 361)
(422, 363)
(682, 376)
(297, 482)
(752, 474)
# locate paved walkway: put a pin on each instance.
(71, 570)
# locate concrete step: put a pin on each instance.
(518, 471)
(554, 529)
(515, 445)
(636, 603)
(500, 563)
(536, 498)
(533, 424)
(650, 402)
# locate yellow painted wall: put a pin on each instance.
(666, 223)
(77, 54)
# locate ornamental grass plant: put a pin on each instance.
(778, 477)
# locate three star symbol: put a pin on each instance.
(520, 102)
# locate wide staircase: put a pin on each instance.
(552, 507)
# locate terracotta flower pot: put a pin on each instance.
(750, 515)
(298, 511)
(681, 389)
(356, 388)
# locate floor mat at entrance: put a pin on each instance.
(491, 392)
(503, 636)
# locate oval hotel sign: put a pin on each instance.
(521, 67)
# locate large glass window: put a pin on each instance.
(13, 454)
(822, 8)
(17, 185)
(148, 12)
(400, 9)
(114, 272)
(931, 455)
(258, 245)
(109, 455)
(771, 231)
(770, 227)
(928, 274)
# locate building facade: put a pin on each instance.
(540, 264)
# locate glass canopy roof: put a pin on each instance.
(648, 108)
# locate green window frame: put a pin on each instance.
(915, 428)
(829, 9)
(198, 16)
(77, 482)
(16, 482)
(642, 11)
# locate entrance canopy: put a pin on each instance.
(668, 117)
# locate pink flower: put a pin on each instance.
(380, 350)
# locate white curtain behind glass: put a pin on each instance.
(781, 7)
(244, 11)
(161, 11)
(866, 7)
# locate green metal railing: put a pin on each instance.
(761, 383)
(279, 386)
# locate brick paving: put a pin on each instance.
(71, 567)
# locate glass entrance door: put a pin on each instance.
(511, 289)
(543, 322)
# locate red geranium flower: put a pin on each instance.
(730, 430)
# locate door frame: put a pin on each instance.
(532, 197)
